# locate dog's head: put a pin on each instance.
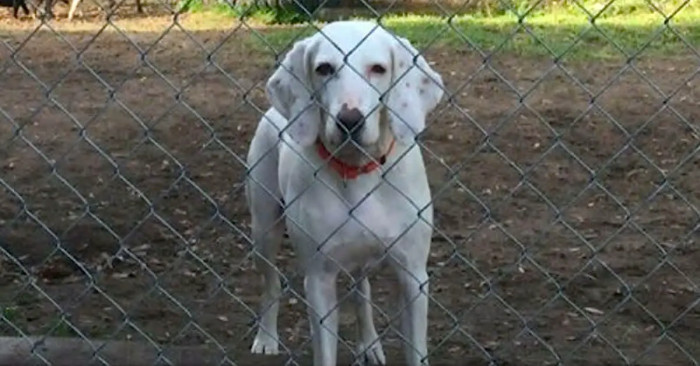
(354, 82)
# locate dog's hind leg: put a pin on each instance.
(369, 350)
(267, 226)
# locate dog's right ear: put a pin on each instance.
(291, 92)
(417, 91)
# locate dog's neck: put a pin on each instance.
(367, 163)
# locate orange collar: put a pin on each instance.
(350, 171)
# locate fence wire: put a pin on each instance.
(565, 195)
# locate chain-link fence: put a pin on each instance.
(562, 161)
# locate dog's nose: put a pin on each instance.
(350, 120)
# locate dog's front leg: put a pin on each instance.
(267, 237)
(413, 282)
(369, 348)
(321, 295)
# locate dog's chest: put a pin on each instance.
(371, 221)
(371, 217)
(352, 217)
(358, 220)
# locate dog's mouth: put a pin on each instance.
(349, 170)
(342, 136)
(351, 150)
(351, 133)
(357, 144)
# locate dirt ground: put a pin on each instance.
(566, 225)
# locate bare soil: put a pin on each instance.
(567, 202)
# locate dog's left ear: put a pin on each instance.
(416, 91)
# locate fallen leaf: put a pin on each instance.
(141, 248)
(121, 275)
(189, 273)
(594, 311)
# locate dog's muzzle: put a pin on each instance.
(350, 123)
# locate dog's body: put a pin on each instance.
(15, 5)
(341, 219)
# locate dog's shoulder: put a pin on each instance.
(274, 118)
(272, 127)
(271, 124)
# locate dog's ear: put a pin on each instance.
(416, 91)
(290, 92)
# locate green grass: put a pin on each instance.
(558, 34)
(564, 30)
(563, 34)
(262, 15)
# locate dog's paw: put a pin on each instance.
(372, 356)
(265, 344)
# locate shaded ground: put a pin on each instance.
(558, 237)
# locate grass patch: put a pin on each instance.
(266, 15)
(562, 33)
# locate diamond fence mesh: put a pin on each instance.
(565, 188)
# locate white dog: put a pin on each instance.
(336, 158)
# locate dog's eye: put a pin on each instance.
(378, 69)
(325, 69)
